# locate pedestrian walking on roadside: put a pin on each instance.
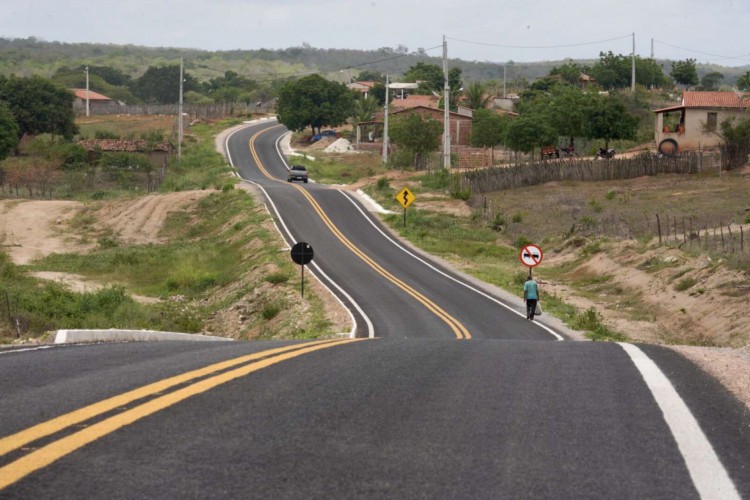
(531, 296)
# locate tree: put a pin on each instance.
(364, 109)
(710, 81)
(527, 132)
(488, 128)
(612, 71)
(162, 84)
(649, 74)
(430, 77)
(313, 101)
(371, 76)
(743, 82)
(684, 73)
(230, 87)
(8, 132)
(417, 135)
(570, 72)
(39, 106)
(475, 96)
(606, 118)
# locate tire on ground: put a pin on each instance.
(668, 147)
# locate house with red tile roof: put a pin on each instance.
(96, 100)
(362, 87)
(413, 101)
(691, 124)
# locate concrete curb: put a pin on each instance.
(82, 336)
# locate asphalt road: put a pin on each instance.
(457, 397)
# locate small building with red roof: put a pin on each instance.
(96, 100)
(691, 124)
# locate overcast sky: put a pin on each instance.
(715, 31)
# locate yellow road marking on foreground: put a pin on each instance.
(48, 454)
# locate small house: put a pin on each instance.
(693, 123)
(96, 100)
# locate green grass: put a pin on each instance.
(202, 268)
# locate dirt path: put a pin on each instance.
(33, 229)
(30, 230)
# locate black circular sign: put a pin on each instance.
(302, 253)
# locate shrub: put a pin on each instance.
(277, 278)
(521, 242)
(383, 183)
(685, 283)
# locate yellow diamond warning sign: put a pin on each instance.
(405, 197)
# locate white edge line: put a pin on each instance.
(25, 349)
(490, 297)
(353, 331)
(708, 474)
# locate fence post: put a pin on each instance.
(708, 249)
(658, 227)
(731, 236)
(684, 235)
(742, 240)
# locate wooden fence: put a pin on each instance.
(540, 172)
(684, 232)
(193, 111)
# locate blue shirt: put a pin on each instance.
(530, 287)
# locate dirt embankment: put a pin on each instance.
(30, 230)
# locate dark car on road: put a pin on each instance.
(297, 173)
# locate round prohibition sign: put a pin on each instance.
(531, 255)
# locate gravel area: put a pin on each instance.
(730, 366)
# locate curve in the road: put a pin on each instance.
(456, 326)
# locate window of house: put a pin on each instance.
(712, 121)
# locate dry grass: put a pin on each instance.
(625, 208)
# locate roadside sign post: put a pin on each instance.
(531, 256)
(405, 198)
(302, 253)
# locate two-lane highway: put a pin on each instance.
(400, 294)
(440, 405)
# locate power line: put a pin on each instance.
(742, 57)
(540, 46)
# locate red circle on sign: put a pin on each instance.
(531, 255)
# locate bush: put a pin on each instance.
(685, 284)
(383, 183)
(521, 242)
(277, 278)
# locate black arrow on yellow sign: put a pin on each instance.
(406, 198)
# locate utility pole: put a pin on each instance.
(652, 48)
(504, 80)
(88, 109)
(385, 120)
(632, 77)
(179, 113)
(446, 110)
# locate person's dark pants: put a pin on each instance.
(530, 308)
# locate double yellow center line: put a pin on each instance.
(200, 381)
(458, 328)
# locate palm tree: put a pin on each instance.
(475, 96)
(364, 109)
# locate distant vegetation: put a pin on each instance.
(268, 68)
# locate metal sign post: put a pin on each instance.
(405, 198)
(302, 253)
